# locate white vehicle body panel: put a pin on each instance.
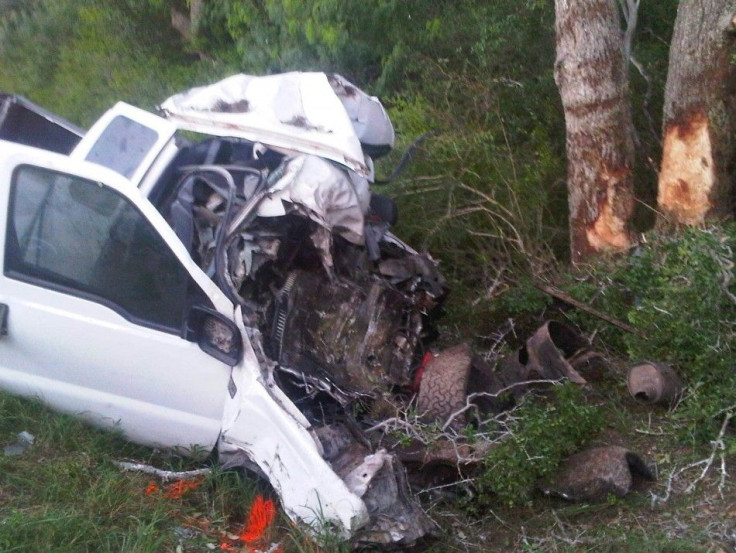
(295, 112)
(263, 422)
(84, 358)
(119, 381)
(120, 364)
(163, 129)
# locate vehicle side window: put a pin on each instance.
(83, 238)
(123, 145)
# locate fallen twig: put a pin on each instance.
(450, 485)
(650, 433)
(567, 298)
(718, 445)
(162, 474)
(469, 399)
(394, 422)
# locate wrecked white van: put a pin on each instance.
(220, 277)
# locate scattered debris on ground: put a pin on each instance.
(592, 474)
(655, 383)
(24, 443)
(321, 324)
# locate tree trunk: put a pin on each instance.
(697, 172)
(195, 12)
(181, 22)
(185, 23)
(591, 74)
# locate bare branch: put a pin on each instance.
(630, 11)
(560, 295)
(162, 474)
(717, 446)
(398, 422)
(469, 399)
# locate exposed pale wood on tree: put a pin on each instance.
(697, 171)
(591, 74)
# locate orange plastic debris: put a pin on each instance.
(179, 488)
(152, 488)
(262, 513)
(174, 490)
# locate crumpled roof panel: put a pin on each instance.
(297, 111)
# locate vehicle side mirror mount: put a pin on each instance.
(215, 334)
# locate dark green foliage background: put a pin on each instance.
(486, 191)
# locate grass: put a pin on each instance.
(65, 494)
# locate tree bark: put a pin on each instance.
(181, 22)
(592, 76)
(195, 10)
(186, 24)
(697, 172)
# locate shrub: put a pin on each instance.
(543, 431)
(78, 57)
(678, 290)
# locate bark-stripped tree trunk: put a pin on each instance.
(591, 74)
(696, 176)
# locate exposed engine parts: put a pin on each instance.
(295, 241)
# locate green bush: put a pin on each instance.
(78, 57)
(543, 431)
(677, 289)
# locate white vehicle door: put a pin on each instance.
(95, 291)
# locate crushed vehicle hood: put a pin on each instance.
(312, 113)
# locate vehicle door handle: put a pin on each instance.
(4, 310)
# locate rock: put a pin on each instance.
(592, 474)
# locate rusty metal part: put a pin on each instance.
(592, 474)
(553, 353)
(550, 350)
(443, 452)
(654, 383)
(549, 354)
(442, 462)
(494, 391)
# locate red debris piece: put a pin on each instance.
(180, 487)
(420, 371)
(152, 488)
(174, 490)
(262, 513)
